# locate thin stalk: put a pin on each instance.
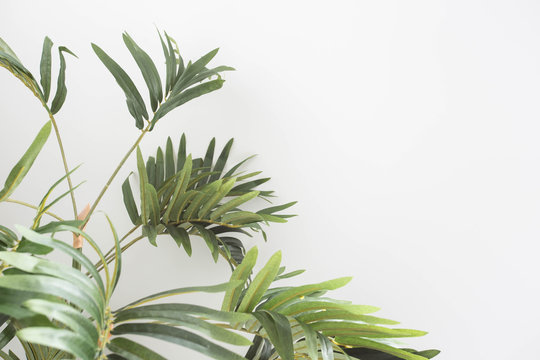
(64, 161)
(33, 207)
(111, 250)
(30, 85)
(118, 167)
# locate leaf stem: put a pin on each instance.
(33, 207)
(111, 178)
(64, 160)
(30, 85)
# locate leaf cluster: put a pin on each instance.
(182, 197)
(59, 312)
(182, 82)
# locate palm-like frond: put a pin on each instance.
(185, 196)
(55, 309)
(182, 83)
(298, 321)
(42, 90)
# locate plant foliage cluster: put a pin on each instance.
(62, 311)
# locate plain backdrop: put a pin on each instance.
(407, 131)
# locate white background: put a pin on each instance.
(407, 130)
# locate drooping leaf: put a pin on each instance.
(132, 350)
(178, 336)
(279, 331)
(181, 237)
(134, 99)
(311, 341)
(61, 89)
(370, 344)
(59, 338)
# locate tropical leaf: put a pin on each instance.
(181, 85)
(195, 197)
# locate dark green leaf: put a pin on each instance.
(181, 152)
(45, 67)
(170, 169)
(148, 70)
(279, 331)
(134, 99)
(222, 160)
(132, 350)
(370, 344)
(129, 202)
(211, 241)
(61, 89)
(185, 96)
(180, 235)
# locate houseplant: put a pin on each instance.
(59, 311)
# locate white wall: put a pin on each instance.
(407, 130)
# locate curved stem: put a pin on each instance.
(122, 239)
(111, 178)
(30, 85)
(33, 207)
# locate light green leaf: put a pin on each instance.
(299, 291)
(172, 315)
(25, 163)
(67, 315)
(209, 289)
(58, 338)
(241, 273)
(370, 344)
(347, 328)
(180, 337)
(232, 204)
(260, 284)
(311, 341)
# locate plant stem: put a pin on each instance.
(64, 160)
(30, 85)
(33, 207)
(118, 167)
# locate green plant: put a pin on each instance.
(58, 311)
